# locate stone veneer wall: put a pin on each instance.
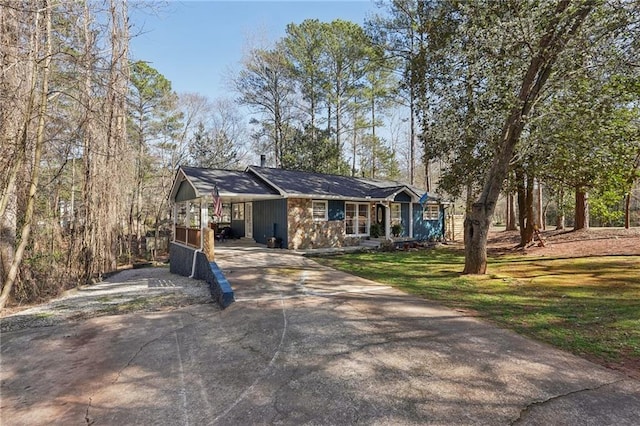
(305, 233)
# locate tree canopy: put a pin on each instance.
(527, 92)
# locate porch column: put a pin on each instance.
(411, 219)
(175, 216)
(387, 221)
(204, 219)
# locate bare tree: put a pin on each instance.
(42, 29)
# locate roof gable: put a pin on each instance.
(194, 182)
(229, 182)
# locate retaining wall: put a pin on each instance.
(181, 261)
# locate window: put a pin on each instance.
(363, 219)
(237, 211)
(431, 212)
(181, 214)
(350, 218)
(396, 214)
(320, 210)
(194, 214)
(356, 219)
(226, 213)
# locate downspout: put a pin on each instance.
(193, 265)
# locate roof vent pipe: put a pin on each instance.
(263, 160)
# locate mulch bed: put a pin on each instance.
(569, 243)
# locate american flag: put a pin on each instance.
(217, 203)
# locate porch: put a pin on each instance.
(245, 244)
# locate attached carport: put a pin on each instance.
(194, 194)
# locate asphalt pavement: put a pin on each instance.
(302, 344)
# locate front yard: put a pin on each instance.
(589, 305)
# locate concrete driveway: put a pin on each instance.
(303, 344)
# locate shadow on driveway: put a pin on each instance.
(302, 344)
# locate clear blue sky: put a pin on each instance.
(194, 44)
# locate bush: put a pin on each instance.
(376, 230)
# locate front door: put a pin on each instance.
(380, 216)
(248, 220)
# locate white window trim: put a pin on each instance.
(326, 210)
(237, 211)
(426, 212)
(356, 223)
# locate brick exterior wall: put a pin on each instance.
(305, 233)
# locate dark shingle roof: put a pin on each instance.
(297, 182)
(228, 181)
(266, 181)
(324, 185)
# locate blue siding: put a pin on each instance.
(237, 226)
(402, 197)
(336, 210)
(425, 230)
(267, 215)
(404, 214)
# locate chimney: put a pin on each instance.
(263, 160)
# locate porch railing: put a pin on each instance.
(188, 236)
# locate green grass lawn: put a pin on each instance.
(589, 306)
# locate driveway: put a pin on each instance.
(303, 344)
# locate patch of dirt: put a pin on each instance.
(569, 243)
(130, 290)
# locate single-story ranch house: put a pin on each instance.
(300, 210)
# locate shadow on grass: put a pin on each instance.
(590, 306)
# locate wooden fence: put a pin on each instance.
(454, 227)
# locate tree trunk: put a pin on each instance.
(511, 213)
(8, 227)
(558, 30)
(560, 217)
(373, 135)
(27, 223)
(582, 209)
(627, 210)
(540, 218)
(560, 220)
(338, 112)
(630, 182)
(527, 235)
(476, 230)
(412, 136)
(354, 147)
(525, 207)
(88, 249)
